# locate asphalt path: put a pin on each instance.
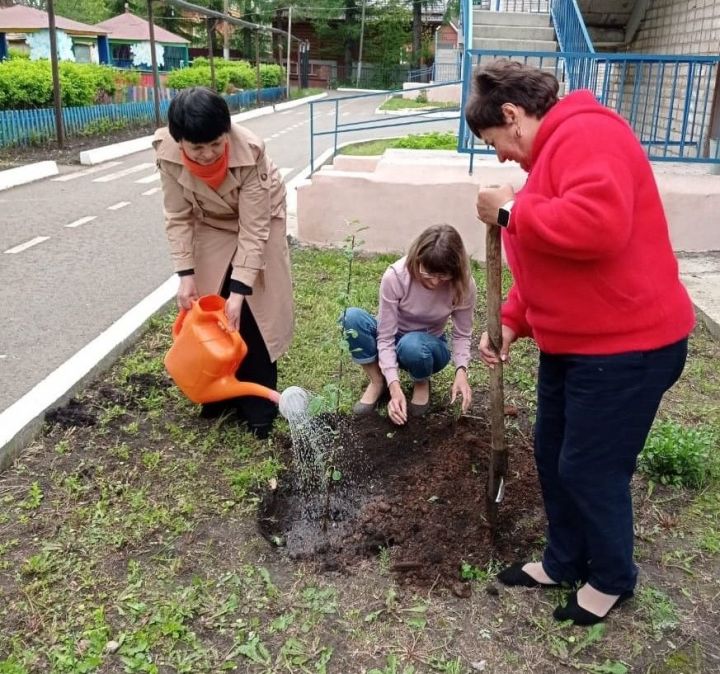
(79, 250)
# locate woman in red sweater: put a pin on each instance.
(596, 286)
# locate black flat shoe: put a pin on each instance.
(580, 616)
(514, 576)
(260, 431)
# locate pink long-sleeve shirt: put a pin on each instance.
(407, 305)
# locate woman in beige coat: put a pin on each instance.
(224, 203)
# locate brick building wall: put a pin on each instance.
(688, 116)
(679, 27)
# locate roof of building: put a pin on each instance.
(128, 26)
(21, 19)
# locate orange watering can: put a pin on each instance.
(206, 354)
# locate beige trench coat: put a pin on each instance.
(242, 223)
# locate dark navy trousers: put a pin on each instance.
(594, 414)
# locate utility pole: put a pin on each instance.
(258, 85)
(289, 52)
(57, 94)
(226, 32)
(153, 58)
(360, 51)
(210, 23)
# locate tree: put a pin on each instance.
(85, 11)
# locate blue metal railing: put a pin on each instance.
(336, 127)
(25, 127)
(667, 100)
(570, 27)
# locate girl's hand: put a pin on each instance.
(397, 407)
(461, 386)
(187, 292)
(491, 357)
(233, 305)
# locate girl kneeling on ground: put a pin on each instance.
(418, 295)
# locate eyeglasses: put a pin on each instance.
(434, 277)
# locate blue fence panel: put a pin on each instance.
(25, 127)
(667, 100)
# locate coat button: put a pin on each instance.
(263, 176)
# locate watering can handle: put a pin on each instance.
(177, 325)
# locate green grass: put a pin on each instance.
(425, 141)
(131, 545)
(302, 93)
(399, 103)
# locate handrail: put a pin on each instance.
(570, 27)
(667, 99)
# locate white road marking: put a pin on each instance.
(152, 191)
(118, 205)
(28, 244)
(275, 135)
(3, 356)
(123, 173)
(86, 172)
(285, 171)
(82, 221)
(149, 179)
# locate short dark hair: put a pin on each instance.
(505, 81)
(198, 115)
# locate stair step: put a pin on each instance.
(483, 17)
(514, 45)
(552, 65)
(514, 32)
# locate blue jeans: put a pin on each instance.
(594, 414)
(419, 353)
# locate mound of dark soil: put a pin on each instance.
(418, 492)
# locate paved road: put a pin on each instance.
(78, 250)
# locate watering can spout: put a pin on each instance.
(206, 354)
(229, 387)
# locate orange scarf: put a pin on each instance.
(211, 174)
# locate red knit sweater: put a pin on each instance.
(588, 243)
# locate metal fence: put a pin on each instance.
(27, 127)
(667, 100)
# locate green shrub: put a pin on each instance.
(197, 77)
(680, 456)
(28, 84)
(15, 53)
(239, 74)
(435, 140)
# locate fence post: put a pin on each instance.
(57, 97)
(153, 58)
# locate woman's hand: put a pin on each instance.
(187, 292)
(397, 407)
(233, 305)
(491, 357)
(490, 200)
(461, 386)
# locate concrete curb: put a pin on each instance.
(20, 422)
(365, 91)
(107, 152)
(27, 174)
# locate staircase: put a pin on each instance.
(514, 31)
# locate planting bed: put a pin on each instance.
(413, 495)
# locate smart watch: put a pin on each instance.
(503, 217)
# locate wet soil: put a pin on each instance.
(417, 492)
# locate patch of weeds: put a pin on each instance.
(659, 610)
(679, 456)
(298, 656)
(393, 666)
(251, 478)
(471, 572)
(414, 616)
(34, 497)
(83, 652)
(62, 447)
(710, 542)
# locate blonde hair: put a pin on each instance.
(440, 250)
